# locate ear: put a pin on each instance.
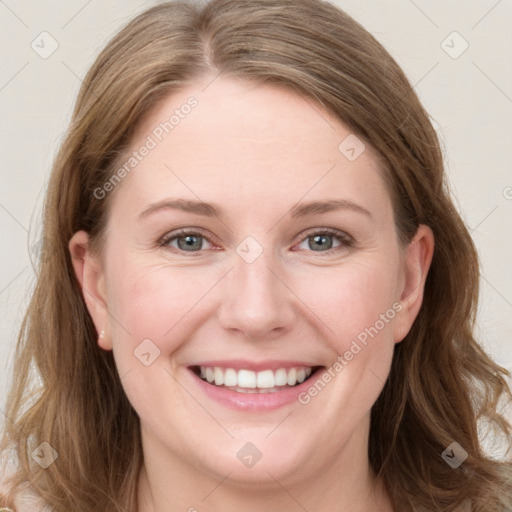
(418, 257)
(89, 272)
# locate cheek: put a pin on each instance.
(359, 304)
(354, 300)
(150, 302)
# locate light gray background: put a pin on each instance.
(468, 97)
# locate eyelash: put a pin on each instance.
(345, 240)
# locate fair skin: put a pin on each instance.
(255, 152)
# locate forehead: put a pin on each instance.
(264, 115)
(249, 143)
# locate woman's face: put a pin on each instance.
(289, 268)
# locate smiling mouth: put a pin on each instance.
(249, 381)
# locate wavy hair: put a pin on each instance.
(442, 385)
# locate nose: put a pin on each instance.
(256, 301)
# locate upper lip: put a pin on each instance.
(241, 364)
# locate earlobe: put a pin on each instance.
(418, 257)
(89, 273)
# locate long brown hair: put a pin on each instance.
(442, 385)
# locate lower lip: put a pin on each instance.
(253, 401)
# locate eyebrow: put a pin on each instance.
(212, 210)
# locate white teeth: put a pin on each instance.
(219, 376)
(281, 378)
(292, 377)
(248, 381)
(230, 377)
(265, 379)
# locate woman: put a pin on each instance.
(197, 352)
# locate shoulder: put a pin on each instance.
(28, 500)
